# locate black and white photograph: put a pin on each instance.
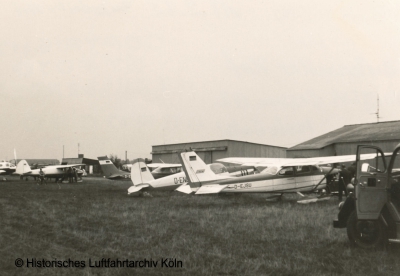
(200, 137)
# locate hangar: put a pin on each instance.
(210, 151)
(343, 141)
(91, 165)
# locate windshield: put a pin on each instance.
(270, 170)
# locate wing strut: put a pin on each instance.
(319, 183)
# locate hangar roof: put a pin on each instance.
(80, 160)
(382, 131)
(219, 141)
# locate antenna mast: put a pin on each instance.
(377, 110)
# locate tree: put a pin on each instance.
(117, 162)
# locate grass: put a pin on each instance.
(240, 234)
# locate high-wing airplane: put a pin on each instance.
(53, 171)
(7, 168)
(282, 175)
(158, 170)
(143, 180)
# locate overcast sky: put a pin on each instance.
(126, 75)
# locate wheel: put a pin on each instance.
(366, 234)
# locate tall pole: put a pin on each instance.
(377, 111)
(63, 151)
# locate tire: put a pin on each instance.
(367, 234)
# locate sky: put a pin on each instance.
(116, 76)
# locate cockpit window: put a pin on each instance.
(218, 168)
(270, 170)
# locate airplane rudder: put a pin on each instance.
(140, 172)
(195, 168)
(22, 167)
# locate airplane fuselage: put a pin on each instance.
(278, 183)
(50, 173)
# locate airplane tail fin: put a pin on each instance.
(23, 167)
(140, 174)
(195, 169)
(108, 167)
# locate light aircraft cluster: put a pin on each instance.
(250, 175)
(242, 175)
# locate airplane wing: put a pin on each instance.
(163, 165)
(297, 161)
(66, 166)
(250, 161)
(1, 171)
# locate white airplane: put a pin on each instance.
(282, 175)
(143, 179)
(6, 168)
(158, 170)
(54, 171)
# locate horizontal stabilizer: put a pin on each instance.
(312, 200)
(135, 189)
(184, 189)
(210, 189)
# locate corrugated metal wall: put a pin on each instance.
(210, 151)
(326, 151)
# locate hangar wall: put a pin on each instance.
(210, 151)
(326, 151)
(341, 149)
(344, 141)
(351, 148)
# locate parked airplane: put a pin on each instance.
(6, 168)
(142, 178)
(158, 170)
(110, 171)
(54, 171)
(282, 175)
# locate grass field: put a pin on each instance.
(223, 234)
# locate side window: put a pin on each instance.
(396, 163)
(303, 170)
(372, 161)
(286, 171)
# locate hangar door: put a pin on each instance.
(206, 156)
